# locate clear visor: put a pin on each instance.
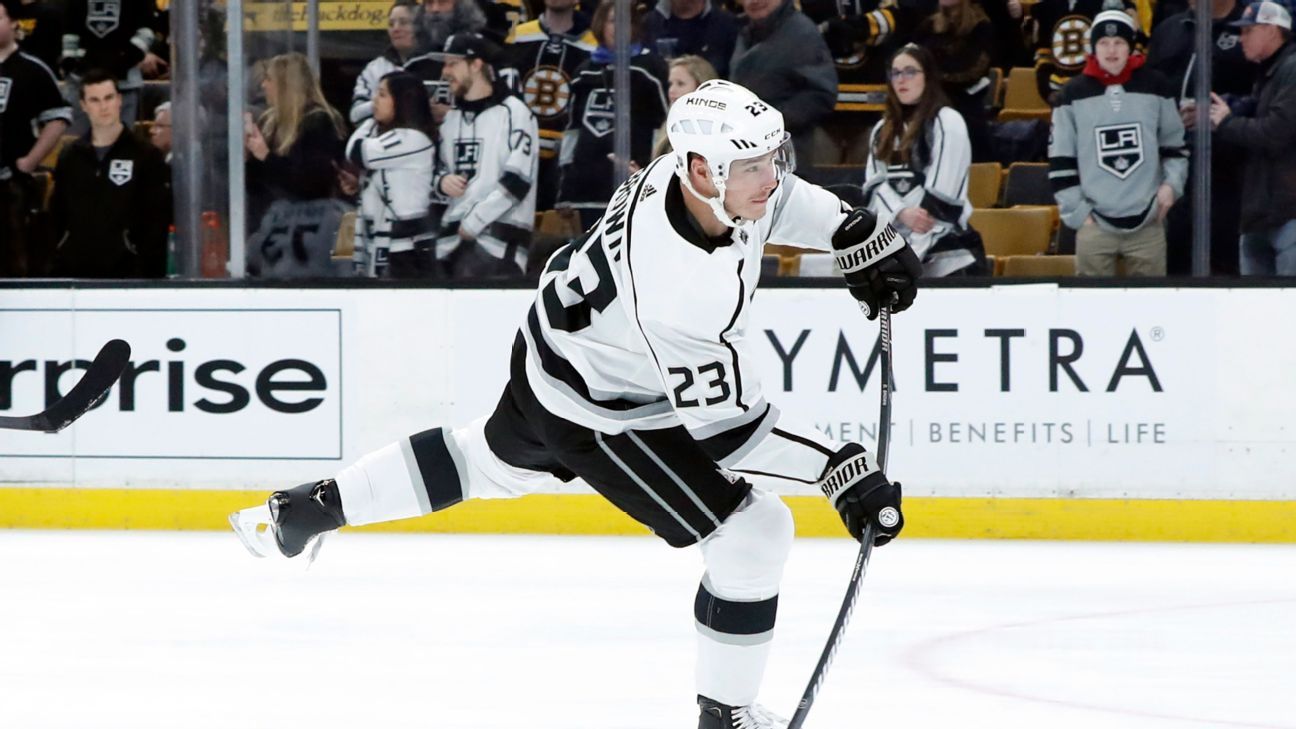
(754, 170)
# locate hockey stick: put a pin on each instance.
(89, 391)
(866, 539)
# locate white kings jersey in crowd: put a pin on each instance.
(494, 143)
(639, 326)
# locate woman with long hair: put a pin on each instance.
(685, 75)
(395, 150)
(298, 139)
(962, 38)
(917, 172)
(294, 150)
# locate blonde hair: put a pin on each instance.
(297, 93)
(702, 71)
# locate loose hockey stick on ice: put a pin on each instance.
(866, 539)
(92, 388)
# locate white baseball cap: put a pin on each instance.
(1265, 12)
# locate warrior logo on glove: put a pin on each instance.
(880, 267)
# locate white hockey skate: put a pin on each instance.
(715, 715)
(290, 522)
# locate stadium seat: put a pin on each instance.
(44, 183)
(994, 95)
(345, 245)
(1014, 231)
(1021, 98)
(861, 97)
(984, 179)
(1039, 266)
(1027, 183)
(51, 159)
(1021, 91)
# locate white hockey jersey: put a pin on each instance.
(939, 185)
(366, 84)
(642, 324)
(398, 167)
(494, 143)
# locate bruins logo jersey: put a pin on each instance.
(1061, 30)
(541, 66)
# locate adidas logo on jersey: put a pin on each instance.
(648, 192)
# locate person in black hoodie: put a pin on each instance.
(111, 201)
(585, 157)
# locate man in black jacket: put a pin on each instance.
(111, 200)
(783, 59)
(1173, 52)
(1268, 245)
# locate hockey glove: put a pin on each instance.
(862, 494)
(880, 267)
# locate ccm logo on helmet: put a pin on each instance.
(844, 474)
(851, 261)
(709, 103)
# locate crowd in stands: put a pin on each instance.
(987, 130)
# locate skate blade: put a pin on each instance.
(255, 529)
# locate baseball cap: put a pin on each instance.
(1265, 12)
(468, 45)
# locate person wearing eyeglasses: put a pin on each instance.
(400, 32)
(917, 171)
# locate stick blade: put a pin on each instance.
(90, 390)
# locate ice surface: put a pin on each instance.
(186, 631)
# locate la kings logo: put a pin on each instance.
(120, 171)
(600, 113)
(467, 157)
(103, 16)
(5, 85)
(1120, 148)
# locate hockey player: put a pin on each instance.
(488, 158)
(633, 372)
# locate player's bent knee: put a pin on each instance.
(745, 557)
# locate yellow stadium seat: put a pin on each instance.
(1039, 266)
(51, 159)
(1015, 231)
(345, 245)
(984, 179)
(1021, 91)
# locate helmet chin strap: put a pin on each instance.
(715, 203)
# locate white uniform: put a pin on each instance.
(938, 185)
(494, 143)
(633, 353)
(393, 216)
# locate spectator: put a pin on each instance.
(692, 27)
(1268, 135)
(782, 58)
(394, 147)
(400, 33)
(295, 150)
(1117, 158)
(861, 36)
(543, 56)
(686, 74)
(1172, 51)
(917, 171)
(488, 158)
(160, 131)
(960, 36)
(111, 203)
(1060, 30)
(33, 115)
(114, 36)
(588, 176)
(437, 20)
(41, 34)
